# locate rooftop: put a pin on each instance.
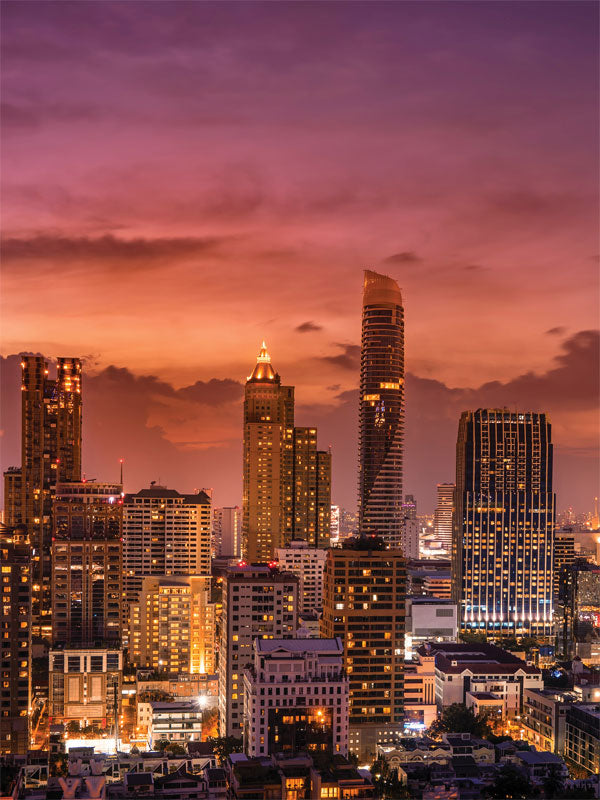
(161, 492)
(299, 646)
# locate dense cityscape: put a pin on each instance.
(156, 645)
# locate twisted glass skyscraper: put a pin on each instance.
(381, 413)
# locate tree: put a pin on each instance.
(210, 724)
(554, 782)
(510, 782)
(460, 719)
(386, 781)
(175, 749)
(473, 638)
(224, 746)
(160, 745)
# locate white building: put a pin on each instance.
(180, 721)
(85, 684)
(464, 668)
(334, 530)
(308, 563)
(227, 532)
(164, 533)
(258, 602)
(296, 697)
(428, 619)
(410, 538)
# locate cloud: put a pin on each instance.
(308, 327)
(558, 331)
(406, 257)
(106, 249)
(348, 359)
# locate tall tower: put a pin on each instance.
(381, 410)
(502, 551)
(268, 461)
(444, 511)
(51, 453)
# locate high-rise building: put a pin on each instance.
(15, 641)
(227, 532)
(287, 481)
(409, 507)
(364, 605)
(87, 564)
(410, 537)
(51, 454)
(579, 605)
(334, 532)
(258, 602)
(13, 496)
(308, 563)
(504, 523)
(564, 556)
(164, 533)
(381, 409)
(444, 515)
(313, 716)
(173, 625)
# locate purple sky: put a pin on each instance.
(182, 180)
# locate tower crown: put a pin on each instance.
(263, 371)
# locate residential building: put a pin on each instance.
(15, 641)
(544, 717)
(364, 605)
(564, 556)
(172, 625)
(13, 495)
(227, 532)
(87, 564)
(428, 619)
(462, 668)
(430, 577)
(381, 409)
(582, 736)
(258, 602)
(420, 709)
(308, 563)
(334, 530)
(504, 523)
(410, 537)
(538, 767)
(438, 584)
(85, 685)
(287, 480)
(296, 697)
(444, 516)
(579, 604)
(409, 507)
(51, 453)
(164, 533)
(178, 721)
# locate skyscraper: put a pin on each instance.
(503, 542)
(164, 533)
(381, 409)
(15, 640)
(87, 564)
(287, 480)
(51, 453)
(364, 604)
(443, 516)
(227, 531)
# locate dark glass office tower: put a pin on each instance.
(502, 550)
(381, 412)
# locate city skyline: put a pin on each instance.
(448, 177)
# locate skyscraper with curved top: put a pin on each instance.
(381, 413)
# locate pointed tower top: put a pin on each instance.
(263, 371)
(380, 289)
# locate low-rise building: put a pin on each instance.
(420, 709)
(461, 668)
(540, 766)
(428, 619)
(296, 697)
(487, 704)
(179, 721)
(85, 685)
(582, 736)
(544, 717)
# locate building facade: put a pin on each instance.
(51, 453)
(443, 518)
(381, 409)
(308, 563)
(258, 602)
(504, 526)
(179, 721)
(172, 625)
(15, 641)
(429, 619)
(296, 697)
(227, 532)
(286, 479)
(87, 564)
(164, 533)
(85, 686)
(582, 737)
(364, 606)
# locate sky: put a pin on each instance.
(183, 180)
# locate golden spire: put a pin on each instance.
(263, 371)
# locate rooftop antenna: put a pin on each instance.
(121, 463)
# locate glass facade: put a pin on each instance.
(504, 529)
(381, 410)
